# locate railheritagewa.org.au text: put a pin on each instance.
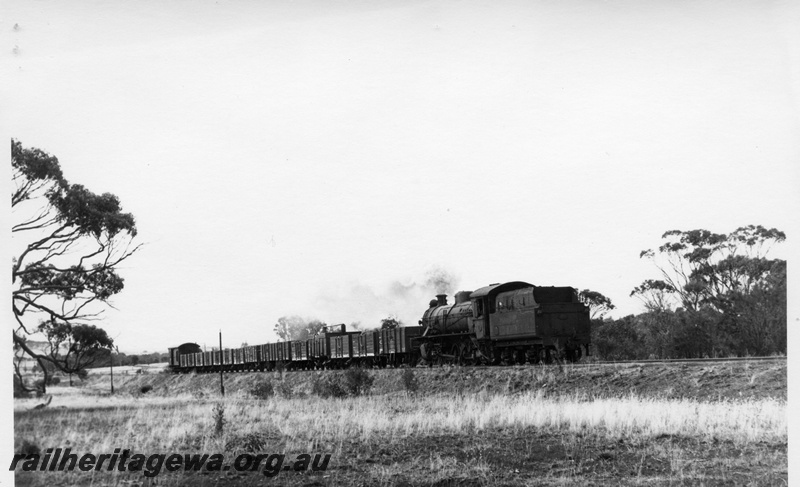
(122, 460)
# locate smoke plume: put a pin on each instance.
(368, 305)
(441, 280)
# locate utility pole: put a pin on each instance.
(111, 356)
(221, 357)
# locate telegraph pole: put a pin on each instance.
(221, 357)
(111, 356)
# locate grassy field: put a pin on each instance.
(394, 437)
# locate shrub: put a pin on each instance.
(29, 448)
(55, 381)
(358, 381)
(218, 413)
(328, 386)
(146, 388)
(263, 390)
(280, 368)
(352, 382)
(410, 381)
(284, 389)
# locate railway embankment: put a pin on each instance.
(706, 381)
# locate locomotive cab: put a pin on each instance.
(485, 307)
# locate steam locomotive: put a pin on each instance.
(509, 323)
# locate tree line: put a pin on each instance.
(715, 295)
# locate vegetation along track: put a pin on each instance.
(696, 361)
(699, 361)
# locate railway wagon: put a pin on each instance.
(299, 353)
(176, 353)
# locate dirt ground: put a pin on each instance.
(536, 458)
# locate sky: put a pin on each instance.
(332, 159)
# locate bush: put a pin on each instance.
(146, 388)
(29, 448)
(54, 381)
(358, 381)
(218, 413)
(352, 382)
(410, 381)
(263, 390)
(328, 386)
(284, 389)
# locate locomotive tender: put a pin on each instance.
(512, 322)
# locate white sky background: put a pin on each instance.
(320, 158)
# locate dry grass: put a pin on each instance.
(421, 439)
(161, 422)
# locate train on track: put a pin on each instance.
(509, 323)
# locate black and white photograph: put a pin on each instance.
(439, 243)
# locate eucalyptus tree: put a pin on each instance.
(703, 268)
(68, 244)
(598, 303)
(297, 328)
(720, 290)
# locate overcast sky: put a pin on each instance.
(327, 159)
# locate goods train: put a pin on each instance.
(509, 323)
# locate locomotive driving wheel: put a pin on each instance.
(467, 354)
(455, 353)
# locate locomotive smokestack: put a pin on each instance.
(442, 298)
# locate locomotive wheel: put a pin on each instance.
(466, 354)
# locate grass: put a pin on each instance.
(548, 425)
(381, 437)
(397, 416)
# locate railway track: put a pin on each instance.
(693, 360)
(696, 361)
(557, 364)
